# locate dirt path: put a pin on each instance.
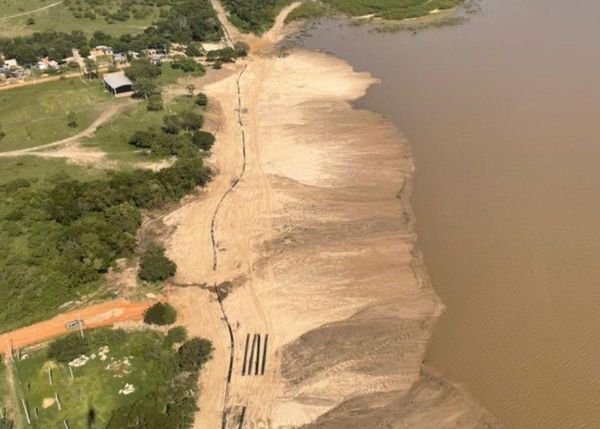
(104, 314)
(31, 11)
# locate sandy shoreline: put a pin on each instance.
(317, 241)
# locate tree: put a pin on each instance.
(146, 87)
(142, 68)
(192, 51)
(171, 124)
(2, 134)
(186, 64)
(178, 334)
(155, 266)
(142, 139)
(201, 99)
(241, 49)
(155, 103)
(191, 121)
(160, 314)
(138, 416)
(67, 348)
(203, 139)
(194, 353)
(30, 21)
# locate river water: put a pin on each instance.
(503, 116)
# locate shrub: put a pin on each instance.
(160, 314)
(203, 139)
(155, 266)
(194, 353)
(201, 99)
(67, 348)
(192, 51)
(138, 416)
(178, 334)
(155, 103)
(142, 139)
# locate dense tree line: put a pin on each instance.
(58, 241)
(254, 15)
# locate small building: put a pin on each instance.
(101, 50)
(118, 84)
(11, 63)
(45, 64)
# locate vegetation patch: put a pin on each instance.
(160, 314)
(123, 378)
(254, 16)
(391, 9)
(155, 266)
(307, 10)
(38, 114)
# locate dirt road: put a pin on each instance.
(327, 299)
(104, 314)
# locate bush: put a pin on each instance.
(160, 314)
(142, 139)
(138, 416)
(178, 334)
(203, 139)
(67, 348)
(186, 64)
(194, 353)
(192, 51)
(201, 99)
(155, 266)
(155, 103)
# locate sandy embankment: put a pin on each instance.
(318, 242)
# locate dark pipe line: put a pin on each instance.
(245, 354)
(242, 416)
(257, 356)
(215, 260)
(264, 360)
(251, 354)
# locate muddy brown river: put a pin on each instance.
(503, 117)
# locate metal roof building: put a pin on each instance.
(118, 84)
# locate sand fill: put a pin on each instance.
(317, 242)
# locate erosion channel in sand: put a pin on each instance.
(324, 310)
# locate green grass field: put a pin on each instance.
(37, 114)
(41, 171)
(141, 359)
(14, 7)
(61, 18)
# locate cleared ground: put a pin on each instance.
(39, 114)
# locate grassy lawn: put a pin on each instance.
(141, 359)
(41, 171)
(61, 18)
(37, 114)
(14, 7)
(112, 137)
